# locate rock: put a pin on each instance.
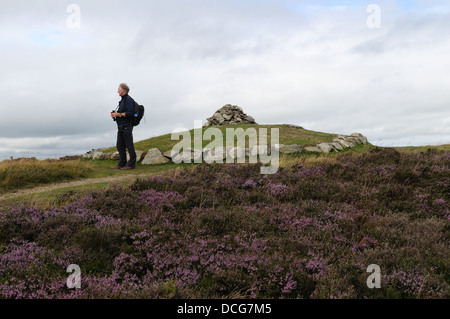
(169, 154)
(227, 117)
(229, 114)
(325, 147)
(115, 156)
(139, 155)
(236, 153)
(295, 126)
(154, 156)
(250, 119)
(312, 149)
(336, 146)
(276, 147)
(90, 154)
(260, 149)
(188, 155)
(98, 155)
(211, 155)
(343, 142)
(359, 137)
(218, 118)
(293, 148)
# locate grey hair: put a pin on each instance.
(125, 87)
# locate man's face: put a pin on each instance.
(121, 91)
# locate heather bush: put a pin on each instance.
(226, 231)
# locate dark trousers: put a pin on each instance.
(124, 142)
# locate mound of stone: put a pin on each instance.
(229, 115)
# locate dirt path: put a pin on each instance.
(55, 186)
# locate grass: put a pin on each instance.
(311, 159)
(415, 149)
(27, 173)
(287, 135)
(21, 173)
(98, 169)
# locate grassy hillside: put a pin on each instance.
(26, 173)
(288, 135)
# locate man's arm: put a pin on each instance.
(129, 109)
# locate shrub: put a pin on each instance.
(227, 231)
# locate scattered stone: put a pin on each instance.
(138, 155)
(154, 156)
(261, 149)
(236, 153)
(344, 142)
(169, 154)
(217, 154)
(336, 146)
(231, 114)
(188, 155)
(99, 155)
(115, 156)
(295, 126)
(325, 147)
(293, 148)
(312, 149)
(90, 154)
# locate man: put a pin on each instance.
(123, 116)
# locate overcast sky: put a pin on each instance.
(329, 66)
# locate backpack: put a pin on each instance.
(138, 114)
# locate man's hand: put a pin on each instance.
(115, 114)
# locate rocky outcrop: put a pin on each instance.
(339, 143)
(229, 115)
(155, 156)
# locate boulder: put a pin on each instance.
(336, 146)
(98, 155)
(211, 155)
(289, 149)
(188, 155)
(154, 156)
(343, 142)
(325, 147)
(115, 155)
(312, 149)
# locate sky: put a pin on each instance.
(380, 68)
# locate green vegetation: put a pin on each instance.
(288, 135)
(20, 173)
(26, 173)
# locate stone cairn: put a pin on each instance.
(229, 115)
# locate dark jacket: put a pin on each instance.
(126, 105)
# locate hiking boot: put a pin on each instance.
(126, 168)
(117, 167)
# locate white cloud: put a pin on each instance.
(321, 68)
